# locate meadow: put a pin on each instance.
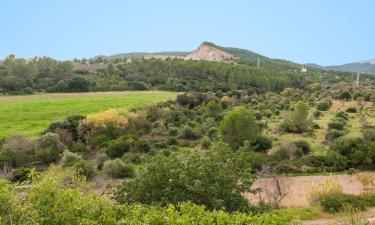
(31, 114)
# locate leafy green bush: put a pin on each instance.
(336, 125)
(262, 143)
(20, 174)
(317, 114)
(206, 143)
(48, 148)
(303, 147)
(351, 110)
(99, 141)
(142, 146)
(68, 158)
(175, 179)
(117, 169)
(54, 199)
(323, 106)
(333, 134)
(78, 147)
(213, 109)
(117, 148)
(335, 202)
(84, 168)
(189, 133)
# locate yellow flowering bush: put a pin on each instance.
(109, 117)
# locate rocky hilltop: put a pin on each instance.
(210, 53)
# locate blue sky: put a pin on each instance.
(326, 32)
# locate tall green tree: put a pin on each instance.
(298, 120)
(238, 126)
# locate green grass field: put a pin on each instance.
(29, 115)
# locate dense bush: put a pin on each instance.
(323, 106)
(117, 169)
(116, 148)
(209, 178)
(54, 199)
(351, 110)
(213, 109)
(336, 125)
(262, 143)
(48, 148)
(356, 150)
(333, 134)
(335, 202)
(20, 174)
(303, 147)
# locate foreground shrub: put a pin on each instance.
(62, 197)
(210, 178)
(336, 202)
(117, 169)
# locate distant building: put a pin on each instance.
(304, 69)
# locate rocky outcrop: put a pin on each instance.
(210, 53)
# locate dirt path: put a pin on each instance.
(299, 188)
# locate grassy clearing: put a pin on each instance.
(29, 115)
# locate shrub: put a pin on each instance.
(101, 159)
(117, 169)
(84, 168)
(99, 141)
(173, 131)
(14, 157)
(116, 148)
(142, 146)
(213, 109)
(20, 174)
(336, 202)
(336, 125)
(334, 134)
(212, 131)
(68, 158)
(355, 149)
(303, 147)
(351, 110)
(323, 106)
(109, 117)
(345, 95)
(205, 143)
(369, 134)
(175, 179)
(78, 147)
(282, 154)
(262, 143)
(189, 133)
(317, 114)
(48, 149)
